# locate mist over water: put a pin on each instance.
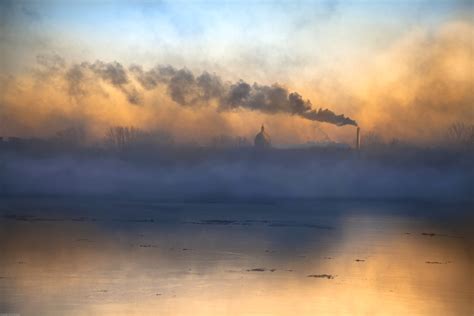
(207, 173)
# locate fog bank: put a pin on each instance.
(243, 174)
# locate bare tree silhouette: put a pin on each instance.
(121, 137)
(371, 140)
(460, 134)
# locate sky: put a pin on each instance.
(401, 69)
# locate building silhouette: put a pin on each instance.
(262, 140)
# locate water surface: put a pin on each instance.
(125, 257)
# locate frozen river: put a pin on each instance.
(63, 256)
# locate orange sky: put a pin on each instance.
(410, 85)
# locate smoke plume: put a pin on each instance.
(189, 90)
(113, 73)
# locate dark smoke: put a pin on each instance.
(50, 63)
(74, 78)
(183, 87)
(113, 73)
(188, 90)
(329, 117)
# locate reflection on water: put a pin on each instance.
(108, 257)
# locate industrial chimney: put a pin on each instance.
(357, 144)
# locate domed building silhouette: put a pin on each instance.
(262, 140)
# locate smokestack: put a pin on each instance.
(357, 144)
